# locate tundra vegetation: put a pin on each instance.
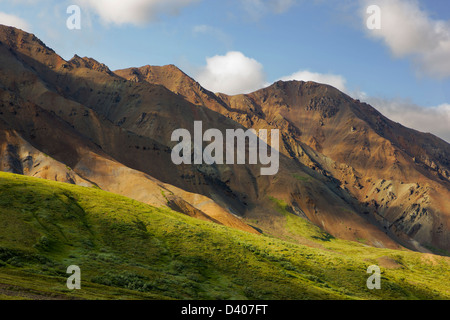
(130, 250)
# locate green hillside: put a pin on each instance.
(129, 250)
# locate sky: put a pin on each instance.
(401, 67)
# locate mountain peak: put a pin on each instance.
(304, 85)
(151, 73)
(19, 39)
(89, 63)
(341, 161)
(169, 76)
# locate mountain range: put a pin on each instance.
(344, 167)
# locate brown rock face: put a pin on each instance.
(343, 165)
(370, 158)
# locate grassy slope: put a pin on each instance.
(130, 250)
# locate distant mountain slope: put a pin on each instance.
(129, 250)
(337, 168)
(401, 177)
(44, 134)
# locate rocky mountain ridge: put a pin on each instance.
(343, 165)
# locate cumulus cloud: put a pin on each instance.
(434, 120)
(409, 31)
(136, 12)
(336, 81)
(14, 21)
(232, 73)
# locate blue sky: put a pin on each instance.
(403, 69)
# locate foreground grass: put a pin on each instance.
(129, 250)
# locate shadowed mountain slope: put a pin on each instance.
(343, 166)
(399, 176)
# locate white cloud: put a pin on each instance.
(434, 120)
(409, 31)
(214, 32)
(136, 12)
(203, 28)
(258, 8)
(280, 6)
(336, 81)
(233, 73)
(14, 21)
